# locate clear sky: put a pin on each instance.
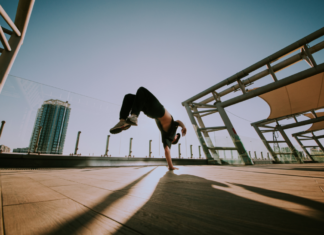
(106, 49)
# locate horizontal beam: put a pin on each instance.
(259, 64)
(199, 105)
(213, 128)
(273, 86)
(279, 141)
(7, 31)
(310, 146)
(222, 148)
(310, 121)
(204, 111)
(9, 21)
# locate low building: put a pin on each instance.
(20, 150)
(4, 149)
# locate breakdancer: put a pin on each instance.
(145, 101)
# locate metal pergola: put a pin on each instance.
(263, 127)
(17, 34)
(303, 136)
(199, 109)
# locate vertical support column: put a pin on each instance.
(235, 138)
(191, 151)
(107, 146)
(207, 138)
(268, 155)
(199, 151)
(150, 152)
(261, 155)
(179, 149)
(77, 143)
(1, 128)
(305, 149)
(290, 145)
(273, 154)
(255, 155)
(130, 147)
(198, 133)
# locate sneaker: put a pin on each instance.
(132, 120)
(119, 127)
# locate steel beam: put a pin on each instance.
(198, 133)
(235, 138)
(265, 142)
(303, 147)
(290, 145)
(207, 137)
(275, 85)
(7, 58)
(283, 52)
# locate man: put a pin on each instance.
(145, 101)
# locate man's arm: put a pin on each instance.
(184, 129)
(168, 158)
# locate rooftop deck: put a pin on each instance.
(259, 199)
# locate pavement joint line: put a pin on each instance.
(34, 202)
(321, 189)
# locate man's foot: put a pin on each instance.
(173, 168)
(119, 127)
(132, 120)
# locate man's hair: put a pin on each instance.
(178, 138)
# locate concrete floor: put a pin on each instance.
(264, 199)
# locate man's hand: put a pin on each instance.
(184, 129)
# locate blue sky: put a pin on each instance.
(176, 49)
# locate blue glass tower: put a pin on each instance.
(53, 117)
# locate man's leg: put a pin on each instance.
(124, 112)
(145, 101)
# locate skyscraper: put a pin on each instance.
(53, 117)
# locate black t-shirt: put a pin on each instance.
(167, 137)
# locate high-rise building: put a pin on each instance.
(53, 118)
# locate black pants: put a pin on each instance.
(143, 101)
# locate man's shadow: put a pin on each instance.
(187, 204)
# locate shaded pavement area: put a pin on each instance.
(264, 199)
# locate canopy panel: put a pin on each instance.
(298, 97)
(318, 125)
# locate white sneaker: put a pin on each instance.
(132, 120)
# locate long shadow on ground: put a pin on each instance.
(187, 204)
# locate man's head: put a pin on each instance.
(176, 138)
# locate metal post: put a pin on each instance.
(290, 145)
(268, 155)
(235, 138)
(199, 151)
(107, 145)
(255, 155)
(39, 132)
(150, 152)
(130, 147)
(198, 133)
(77, 143)
(1, 128)
(191, 151)
(261, 155)
(265, 142)
(179, 149)
(250, 154)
